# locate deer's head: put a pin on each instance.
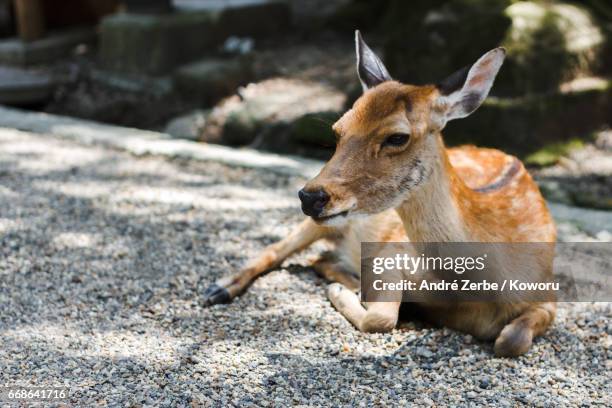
(388, 141)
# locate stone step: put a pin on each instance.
(21, 87)
(54, 45)
(156, 44)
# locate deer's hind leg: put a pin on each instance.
(225, 289)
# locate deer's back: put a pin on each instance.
(480, 167)
(511, 207)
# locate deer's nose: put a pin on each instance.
(313, 202)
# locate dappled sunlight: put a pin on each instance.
(82, 189)
(581, 32)
(57, 155)
(110, 344)
(75, 240)
(227, 197)
(96, 131)
(159, 171)
(7, 193)
(240, 198)
(7, 225)
(584, 84)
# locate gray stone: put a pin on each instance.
(188, 126)
(14, 51)
(20, 87)
(603, 140)
(547, 43)
(209, 80)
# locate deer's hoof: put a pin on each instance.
(513, 341)
(215, 294)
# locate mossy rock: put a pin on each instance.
(240, 120)
(242, 125)
(547, 42)
(246, 120)
(524, 125)
(601, 10)
(425, 41)
(550, 154)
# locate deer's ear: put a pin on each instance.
(370, 68)
(464, 91)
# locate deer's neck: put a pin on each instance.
(433, 212)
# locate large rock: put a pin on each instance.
(188, 126)
(547, 42)
(268, 109)
(156, 44)
(524, 124)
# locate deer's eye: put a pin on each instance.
(396, 140)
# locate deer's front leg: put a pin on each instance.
(231, 286)
(378, 317)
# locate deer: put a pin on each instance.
(392, 179)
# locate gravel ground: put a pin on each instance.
(103, 257)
